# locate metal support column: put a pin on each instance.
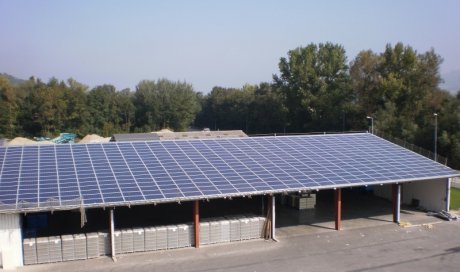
(449, 181)
(196, 222)
(396, 196)
(338, 208)
(273, 202)
(112, 236)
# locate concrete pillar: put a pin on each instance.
(338, 208)
(112, 236)
(396, 201)
(196, 222)
(448, 184)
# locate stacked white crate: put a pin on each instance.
(80, 246)
(225, 230)
(172, 236)
(68, 248)
(245, 227)
(117, 240)
(138, 239)
(29, 246)
(127, 241)
(215, 232)
(204, 232)
(104, 243)
(235, 228)
(43, 252)
(150, 238)
(55, 249)
(184, 235)
(162, 237)
(254, 228)
(92, 245)
(261, 226)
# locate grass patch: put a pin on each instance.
(454, 198)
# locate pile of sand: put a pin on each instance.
(165, 130)
(25, 141)
(93, 138)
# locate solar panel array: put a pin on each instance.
(64, 176)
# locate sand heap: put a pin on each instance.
(93, 138)
(25, 141)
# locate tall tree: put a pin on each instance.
(315, 86)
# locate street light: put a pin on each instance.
(372, 123)
(435, 137)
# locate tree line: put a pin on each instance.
(316, 89)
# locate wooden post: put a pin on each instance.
(338, 208)
(196, 221)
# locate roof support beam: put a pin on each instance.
(196, 222)
(273, 203)
(112, 237)
(338, 208)
(396, 201)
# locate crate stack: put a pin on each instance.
(138, 240)
(235, 228)
(92, 245)
(43, 250)
(245, 227)
(172, 237)
(29, 246)
(261, 226)
(162, 237)
(117, 240)
(80, 246)
(184, 235)
(104, 244)
(68, 248)
(127, 241)
(215, 232)
(204, 232)
(150, 238)
(225, 230)
(55, 249)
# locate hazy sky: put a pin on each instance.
(207, 43)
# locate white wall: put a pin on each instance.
(10, 241)
(430, 193)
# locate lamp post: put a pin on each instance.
(372, 123)
(435, 137)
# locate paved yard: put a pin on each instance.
(386, 247)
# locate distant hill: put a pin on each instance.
(13, 80)
(451, 81)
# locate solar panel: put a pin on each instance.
(47, 177)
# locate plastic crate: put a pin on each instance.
(138, 240)
(92, 245)
(127, 245)
(225, 230)
(29, 246)
(162, 237)
(104, 244)
(68, 248)
(173, 237)
(55, 249)
(150, 238)
(184, 235)
(80, 246)
(43, 252)
(204, 233)
(117, 240)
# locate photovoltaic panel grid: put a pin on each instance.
(46, 177)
